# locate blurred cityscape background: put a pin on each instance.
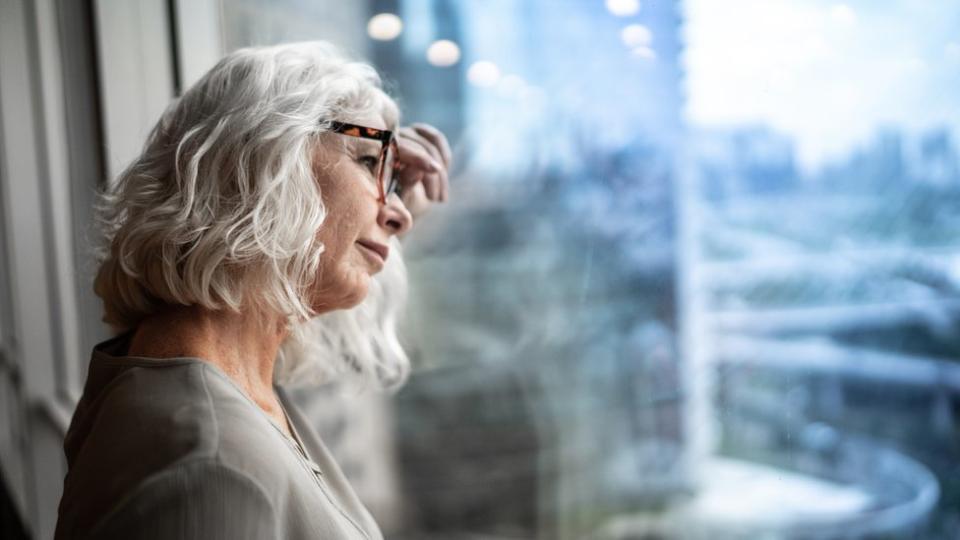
(699, 276)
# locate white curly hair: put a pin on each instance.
(221, 210)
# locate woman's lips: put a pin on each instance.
(379, 250)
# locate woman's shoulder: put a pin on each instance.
(140, 419)
(181, 407)
(196, 498)
(153, 441)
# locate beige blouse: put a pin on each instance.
(172, 448)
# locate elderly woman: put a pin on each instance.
(263, 207)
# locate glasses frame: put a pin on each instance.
(385, 186)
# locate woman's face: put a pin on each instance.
(357, 226)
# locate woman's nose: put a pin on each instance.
(394, 216)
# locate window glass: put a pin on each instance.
(697, 273)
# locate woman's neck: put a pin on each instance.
(242, 345)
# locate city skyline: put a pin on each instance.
(830, 74)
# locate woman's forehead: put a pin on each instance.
(370, 119)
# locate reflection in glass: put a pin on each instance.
(698, 273)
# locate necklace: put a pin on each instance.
(296, 441)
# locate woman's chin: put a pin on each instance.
(355, 300)
(361, 288)
(351, 293)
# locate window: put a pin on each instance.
(697, 271)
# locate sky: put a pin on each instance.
(827, 73)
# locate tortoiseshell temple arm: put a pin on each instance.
(382, 135)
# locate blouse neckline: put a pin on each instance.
(105, 355)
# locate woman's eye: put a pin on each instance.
(370, 162)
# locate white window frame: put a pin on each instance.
(42, 325)
(44, 331)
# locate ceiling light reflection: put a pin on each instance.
(636, 35)
(384, 26)
(623, 8)
(443, 53)
(483, 73)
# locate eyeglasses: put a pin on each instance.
(387, 172)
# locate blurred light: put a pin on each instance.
(443, 53)
(483, 73)
(636, 35)
(511, 86)
(384, 26)
(623, 8)
(644, 52)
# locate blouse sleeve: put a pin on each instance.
(199, 500)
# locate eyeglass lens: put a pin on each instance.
(387, 179)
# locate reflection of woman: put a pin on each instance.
(262, 207)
